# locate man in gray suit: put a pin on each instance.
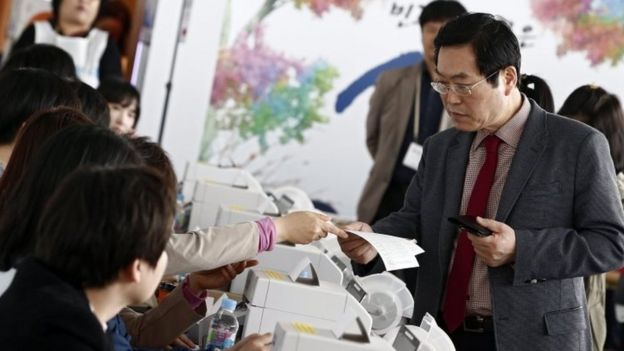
(543, 184)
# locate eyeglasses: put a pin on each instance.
(459, 89)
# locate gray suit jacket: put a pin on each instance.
(561, 199)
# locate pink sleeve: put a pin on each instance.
(268, 234)
(193, 300)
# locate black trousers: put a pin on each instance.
(469, 341)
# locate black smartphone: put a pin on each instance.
(469, 223)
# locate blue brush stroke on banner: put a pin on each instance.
(346, 97)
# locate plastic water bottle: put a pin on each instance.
(223, 328)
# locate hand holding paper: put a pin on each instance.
(356, 248)
(396, 253)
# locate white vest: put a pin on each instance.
(86, 52)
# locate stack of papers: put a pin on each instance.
(396, 253)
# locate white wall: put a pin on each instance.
(192, 76)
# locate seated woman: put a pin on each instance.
(124, 103)
(72, 28)
(92, 103)
(100, 246)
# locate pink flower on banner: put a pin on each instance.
(320, 7)
(593, 26)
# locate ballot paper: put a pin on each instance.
(396, 253)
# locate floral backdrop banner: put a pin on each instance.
(293, 78)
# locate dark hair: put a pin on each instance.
(43, 56)
(56, 8)
(26, 91)
(537, 89)
(35, 132)
(118, 91)
(62, 154)
(494, 43)
(100, 220)
(154, 156)
(598, 108)
(93, 104)
(440, 10)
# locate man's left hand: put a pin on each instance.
(497, 249)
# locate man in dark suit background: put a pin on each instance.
(404, 109)
(543, 184)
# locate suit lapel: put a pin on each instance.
(456, 163)
(530, 148)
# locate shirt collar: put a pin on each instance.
(104, 325)
(511, 131)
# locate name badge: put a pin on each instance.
(413, 156)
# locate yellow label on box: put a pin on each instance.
(274, 275)
(304, 328)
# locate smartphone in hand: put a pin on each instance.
(469, 223)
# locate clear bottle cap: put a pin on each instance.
(228, 304)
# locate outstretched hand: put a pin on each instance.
(305, 227)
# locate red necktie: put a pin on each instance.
(459, 276)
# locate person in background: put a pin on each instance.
(24, 92)
(100, 247)
(537, 89)
(72, 28)
(124, 103)
(43, 56)
(92, 104)
(602, 110)
(403, 111)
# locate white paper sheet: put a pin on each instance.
(396, 253)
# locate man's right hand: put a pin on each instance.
(356, 248)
